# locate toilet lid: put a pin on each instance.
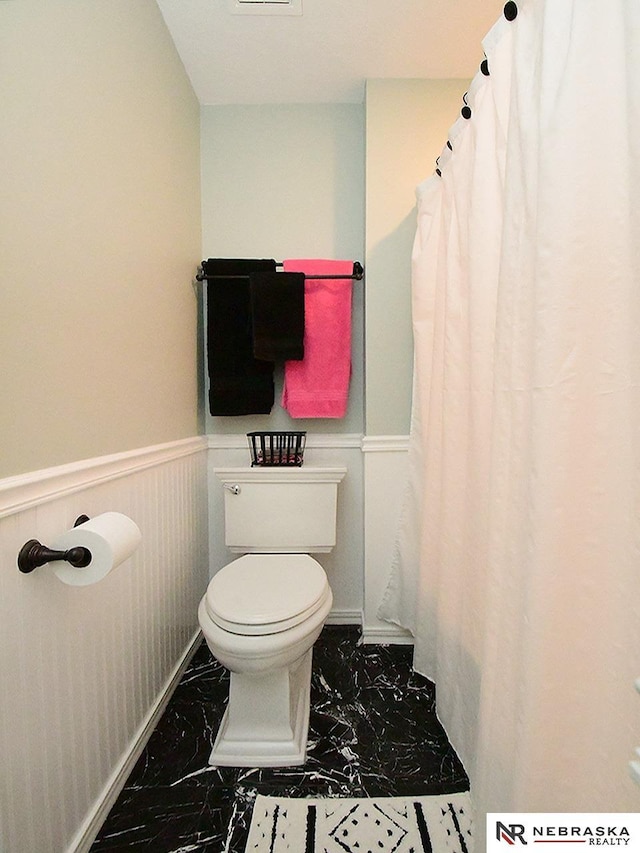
(266, 593)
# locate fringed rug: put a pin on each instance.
(439, 824)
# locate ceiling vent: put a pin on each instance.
(265, 7)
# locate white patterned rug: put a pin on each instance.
(439, 824)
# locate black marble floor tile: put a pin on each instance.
(373, 732)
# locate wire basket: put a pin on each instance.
(276, 448)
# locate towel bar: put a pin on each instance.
(357, 274)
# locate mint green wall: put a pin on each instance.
(333, 181)
(406, 127)
(287, 181)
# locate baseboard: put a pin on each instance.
(381, 635)
(88, 831)
(344, 617)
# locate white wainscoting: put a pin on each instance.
(344, 565)
(385, 475)
(84, 671)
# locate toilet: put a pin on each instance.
(262, 612)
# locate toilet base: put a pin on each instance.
(266, 723)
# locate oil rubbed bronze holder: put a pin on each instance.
(34, 554)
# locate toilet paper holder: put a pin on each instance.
(33, 554)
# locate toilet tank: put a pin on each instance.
(280, 509)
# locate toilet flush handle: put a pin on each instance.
(234, 488)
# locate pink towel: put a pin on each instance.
(318, 386)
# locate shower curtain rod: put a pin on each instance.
(357, 275)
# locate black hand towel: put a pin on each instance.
(277, 313)
(239, 384)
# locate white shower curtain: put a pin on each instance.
(518, 558)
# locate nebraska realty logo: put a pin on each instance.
(591, 830)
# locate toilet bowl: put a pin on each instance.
(263, 611)
(264, 636)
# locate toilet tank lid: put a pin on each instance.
(281, 474)
(262, 589)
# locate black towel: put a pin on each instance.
(239, 384)
(277, 313)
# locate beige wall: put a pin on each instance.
(287, 181)
(406, 127)
(99, 228)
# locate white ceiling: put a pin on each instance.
(326, 54)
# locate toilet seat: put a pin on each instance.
(266, 593)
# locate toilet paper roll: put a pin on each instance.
(111, 538)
